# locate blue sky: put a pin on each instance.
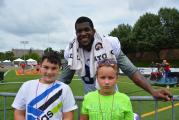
(50, 23)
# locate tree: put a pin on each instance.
(9, 55)
(48, 49)
(148, 33)
(32, 55)
(123, 33)
(2, 56)
(62, 54)
(170, 21)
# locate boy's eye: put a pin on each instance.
(45, 67)
(54, 68)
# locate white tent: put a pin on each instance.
(31, 62)
(19, 60)
(6, 61)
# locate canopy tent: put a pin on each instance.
(6, 61)
(31, 62)
(19, 60)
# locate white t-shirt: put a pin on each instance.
(89, 83)
(44, 101)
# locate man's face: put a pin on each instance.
(85, 34)
(107, 79)
(49, 72)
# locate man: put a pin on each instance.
(82, 57)
(45, 98)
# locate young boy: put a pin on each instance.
(45, 98)
(107, 103)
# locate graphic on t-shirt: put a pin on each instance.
(34, 113)
(98, 46)
(87, 79)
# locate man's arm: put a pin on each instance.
(19, 114)
(66, 75)
(68, 115)
(131, 71)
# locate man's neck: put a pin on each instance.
(87, 48)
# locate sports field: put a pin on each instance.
(146, 109)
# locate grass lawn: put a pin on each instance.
(125, 86)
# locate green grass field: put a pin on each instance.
(125, 86)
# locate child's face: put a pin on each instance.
(49, 71)
(107, 79)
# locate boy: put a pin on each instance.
(107, 103)
(45, 98)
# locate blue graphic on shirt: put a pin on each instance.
(87, 79)
(31, 110)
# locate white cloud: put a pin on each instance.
(50, 23)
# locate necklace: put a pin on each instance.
(45, 90)
(101, 108)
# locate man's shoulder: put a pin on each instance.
(111, 38)
(115, 44)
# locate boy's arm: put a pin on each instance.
(68, 115)
(19, 114)
(84, 117)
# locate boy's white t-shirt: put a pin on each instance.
(44, 101)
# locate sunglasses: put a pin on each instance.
(108, 62)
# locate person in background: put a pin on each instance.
(166, 67)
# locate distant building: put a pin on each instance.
(21, 52)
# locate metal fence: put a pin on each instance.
(80, 98)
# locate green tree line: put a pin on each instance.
(151, 32)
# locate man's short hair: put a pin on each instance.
(83, 19)
(52, 57)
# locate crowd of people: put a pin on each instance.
(163, 70)
(96, 59)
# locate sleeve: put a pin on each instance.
(123, 61)
(19, 102)
(66, 75)
(116, 45)
(69, 103)
(84, 109)
(66, 52)
(125, 64)
(129, 115)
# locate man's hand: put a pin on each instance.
(163, 94)
(141, 81)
